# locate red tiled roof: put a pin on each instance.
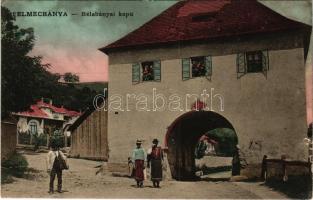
(198, 20)
(60, 110)
(72, 113)
(35, 110)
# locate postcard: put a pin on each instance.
(149, 99)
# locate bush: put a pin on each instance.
(39, 140)
(16, 165)
(57, 140)
(227, 141)
(24, 138)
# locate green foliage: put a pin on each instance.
(57, 139)
(73, 98)
(96, 86)
(39, 140)
(16, 165)
(25, 79)
(42, 140)
(24, 138)
(70, 77)
(227, 140)
(6, 176)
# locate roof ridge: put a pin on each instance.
(176, 23)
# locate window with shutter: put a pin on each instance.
(136, 73)
(241, 65)
(198, 66)
(265, 62)
(208, 67)
(157, 70)
(147, 71)
(186, 68)
(252, 62)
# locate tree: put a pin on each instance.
(70, 77)
(24, 77)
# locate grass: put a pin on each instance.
(15, 166)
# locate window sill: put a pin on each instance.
(136, 83)
(206, 77)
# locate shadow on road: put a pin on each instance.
(296, 187)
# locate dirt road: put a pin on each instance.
(81, 181)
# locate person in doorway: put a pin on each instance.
(55, 162)
(138, 158)
(236, 162)
(155, 158)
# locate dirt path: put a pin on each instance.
(81, 181)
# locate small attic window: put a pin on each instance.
(204, 17)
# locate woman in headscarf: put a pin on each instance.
(139, 157)
(155, 157)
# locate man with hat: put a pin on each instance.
(155, 157)
(139, 157)
(55, 165)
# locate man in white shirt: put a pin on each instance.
(54, 167)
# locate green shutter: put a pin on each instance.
(265, 62)
(186, 68)
(136, 73)
(241, 65)
(208, 67)
(157, 70)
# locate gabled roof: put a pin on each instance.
(199, 20)
(35, 110)
(55, 109)
(85, 115)
(81, 118)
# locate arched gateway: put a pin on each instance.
(182, 137)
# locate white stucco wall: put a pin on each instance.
(270, 111)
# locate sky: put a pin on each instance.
(70, 44)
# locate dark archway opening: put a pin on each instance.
(214, 155)
(182, 137)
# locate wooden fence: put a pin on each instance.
(8, 139)
(281, 168)
(89, 136)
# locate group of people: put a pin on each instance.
(153, 160)
(57, 161)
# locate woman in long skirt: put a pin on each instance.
(139, 157)
(155, 157)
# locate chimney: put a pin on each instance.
(50, 101)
